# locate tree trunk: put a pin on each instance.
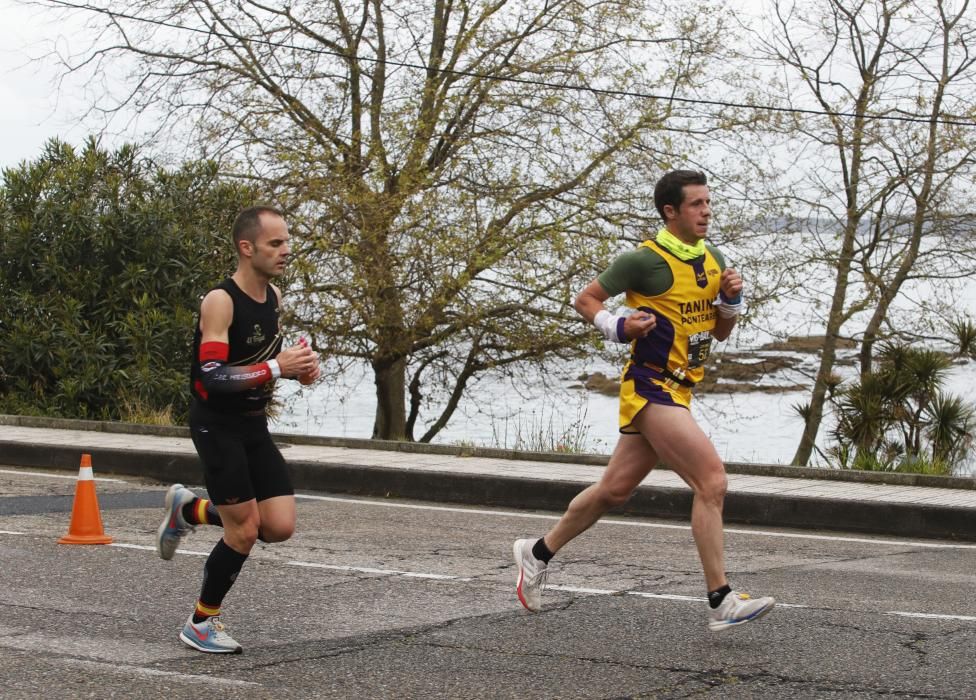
(827, 358)
(817, 399)
(452, 403)
(391, 414)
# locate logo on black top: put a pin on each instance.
(257, 337)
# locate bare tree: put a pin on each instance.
(454, 167)
(933, 162)
(887, 145)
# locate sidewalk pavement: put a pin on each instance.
(765, 495)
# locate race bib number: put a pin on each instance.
(699, 346)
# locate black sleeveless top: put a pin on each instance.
(254, 337)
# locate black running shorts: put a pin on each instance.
(240, 460)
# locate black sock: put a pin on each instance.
(715, 598)
(219, 574)
(541, 552)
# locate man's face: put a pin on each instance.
(690, 221)
(270, 250)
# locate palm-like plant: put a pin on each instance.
(913, 378)
(965, 332)
(864, 414)
(898, 417)
(949, 427)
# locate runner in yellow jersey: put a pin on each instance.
(683, 296)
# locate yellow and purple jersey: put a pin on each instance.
(669, 361)
(682, 338)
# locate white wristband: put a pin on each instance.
(275, 368)
(611, 326)
(727, 310)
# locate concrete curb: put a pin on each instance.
(778, 470)
(774, 510)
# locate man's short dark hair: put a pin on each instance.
(247, 225)
(670, 188)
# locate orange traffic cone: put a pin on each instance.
(86, 522)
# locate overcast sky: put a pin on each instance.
(34, 109)
(31, 111)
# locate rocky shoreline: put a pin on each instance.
(772, 368)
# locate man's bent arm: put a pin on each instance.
(723, 327)
(216, 315)
(589, 302)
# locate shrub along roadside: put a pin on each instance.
(103, 259)
(898, 418)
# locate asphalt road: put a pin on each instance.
(395, 599)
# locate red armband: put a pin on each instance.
(214, 350)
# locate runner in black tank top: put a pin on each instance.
(237, 356)
(253, 338)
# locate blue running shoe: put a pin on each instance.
(738, 609)
(174, 527)
(209, 636)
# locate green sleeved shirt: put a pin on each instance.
(643, 271)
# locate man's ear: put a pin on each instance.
(669, 212)
(245, 248)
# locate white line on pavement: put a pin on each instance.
(964, 618)
(145, 548)
(655, 596)
(634, 523)
(606, 521)
(57, 476)
(396, 573)
(125, 669)
(369, 570)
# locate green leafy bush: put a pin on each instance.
(103, 259)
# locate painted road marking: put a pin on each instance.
(655, 596)
(127, 670)
(605, 521)
(59, 476)
(633, 523)
(369, 570)
(145, 548)
(398, 573)
(964, 618)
